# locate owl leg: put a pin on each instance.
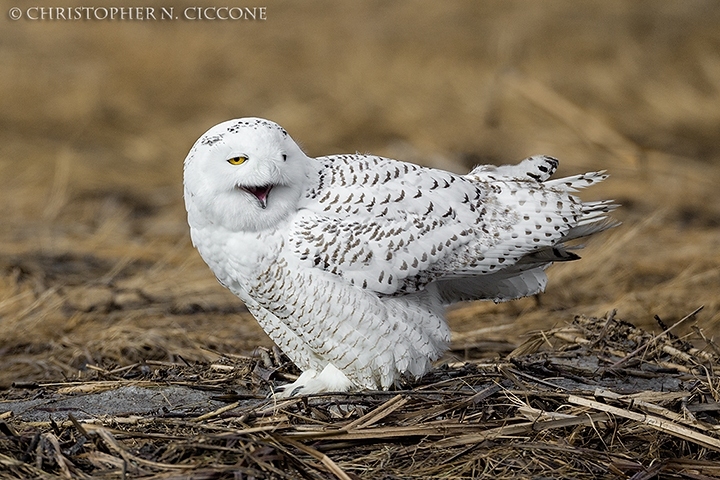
(329, 380)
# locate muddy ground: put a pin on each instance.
(96, 265)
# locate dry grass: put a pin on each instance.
(96, 267)
(596, 399)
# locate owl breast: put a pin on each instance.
(236, 257)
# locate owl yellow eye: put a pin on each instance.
(237, 160)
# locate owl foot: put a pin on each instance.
(329, 380)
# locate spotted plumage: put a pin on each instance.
(348, 261)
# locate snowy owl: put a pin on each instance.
(347, 261)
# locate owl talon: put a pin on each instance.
(329, 380)
(294, 388)
(286, 391)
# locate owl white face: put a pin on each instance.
(245, 175)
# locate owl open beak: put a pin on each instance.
(261, 193)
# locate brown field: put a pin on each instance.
(96, 265)
(97, 273)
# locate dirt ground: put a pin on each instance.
(96, 265)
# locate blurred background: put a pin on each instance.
(96, 265)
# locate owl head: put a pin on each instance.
(244, 175)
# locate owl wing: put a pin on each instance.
(393, 227)
(382, 224)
